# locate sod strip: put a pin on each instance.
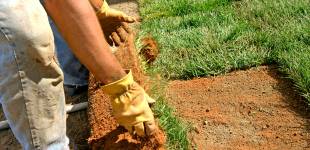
(211, 37)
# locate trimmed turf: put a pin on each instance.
(210, 37)
(175, 129)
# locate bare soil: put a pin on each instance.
(253, 109)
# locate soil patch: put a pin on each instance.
(253, 109)
(77, 122)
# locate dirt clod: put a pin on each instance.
(149, 49)
(205, 122)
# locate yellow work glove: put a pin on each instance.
(114, 24)
(107, 12)
(130, 106)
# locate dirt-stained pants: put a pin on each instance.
(31, 82)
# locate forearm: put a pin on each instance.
(80, 28)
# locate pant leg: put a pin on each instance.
(31, 82)
(75, 73)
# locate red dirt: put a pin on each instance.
(149, 49)
(253, 109)
(105, 133)
(127, 56)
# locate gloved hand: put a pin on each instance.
(114, 24)
(130, 106)
(107, 12)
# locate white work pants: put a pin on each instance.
(31, 81)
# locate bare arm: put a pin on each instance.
(79, 26)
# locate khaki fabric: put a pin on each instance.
(31, 81)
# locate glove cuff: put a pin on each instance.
(102, 12)
(120, 86)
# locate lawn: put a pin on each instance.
(199, 38)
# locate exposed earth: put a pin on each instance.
(252, 109)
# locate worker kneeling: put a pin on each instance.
(31, 81)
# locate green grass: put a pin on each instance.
(175, 129)
(210, 37)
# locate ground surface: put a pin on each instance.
(253, 109)
(7, 139)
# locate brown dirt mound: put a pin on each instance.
(105, 134)
(253, 109)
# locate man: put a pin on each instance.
(75, 74)
(31, 82)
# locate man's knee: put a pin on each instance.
(39, 41)
(26, 25)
